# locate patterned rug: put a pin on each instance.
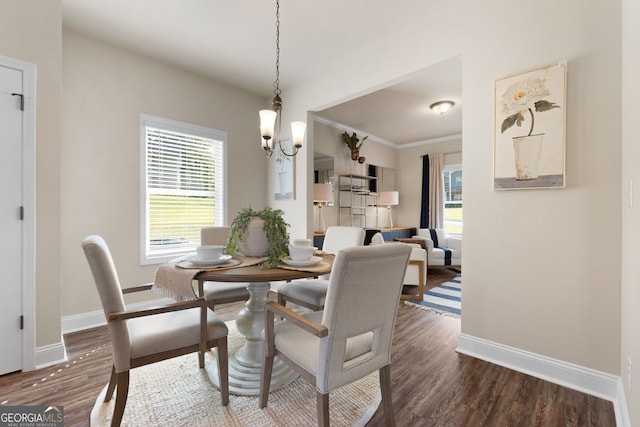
(445, 299)
(176, 392)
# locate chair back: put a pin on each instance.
(106, 279)
(214, 235)
(377, 239)
(339, 237)
(360, 313)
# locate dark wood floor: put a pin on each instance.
(432, 384)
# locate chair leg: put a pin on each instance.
(122, 392)
(385, 391)
(281, 300)
(269, 354)
(265, 379)
(112, 385)
(322, 401)
(223, 370)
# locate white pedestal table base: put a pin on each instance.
(245, 363)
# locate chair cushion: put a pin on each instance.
(313, 291)
(219, 290)
(303, 347)
(168, 331)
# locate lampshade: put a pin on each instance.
(267, 123)
(388, 198)
(322, 193)
(297, 133)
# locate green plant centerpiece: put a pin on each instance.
(275, 231)
(354, 143)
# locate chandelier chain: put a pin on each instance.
(276, 83)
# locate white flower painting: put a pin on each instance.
(529, 135)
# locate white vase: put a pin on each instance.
(256, 243)
(526, 150)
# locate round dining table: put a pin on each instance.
(245, 362)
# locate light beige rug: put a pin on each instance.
(176, 392)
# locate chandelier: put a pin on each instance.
(270, 119)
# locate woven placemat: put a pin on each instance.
(176, 282)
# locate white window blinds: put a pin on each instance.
(184, 186)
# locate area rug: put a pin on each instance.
(445, 299)
(176, 393)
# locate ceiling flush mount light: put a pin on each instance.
(270, 119)
(442, 107)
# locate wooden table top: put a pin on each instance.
(254, 273)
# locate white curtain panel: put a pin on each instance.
(436, 191)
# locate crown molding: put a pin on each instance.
(343, 127)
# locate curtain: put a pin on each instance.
(436, 191)
(424, 206)
(432, 207)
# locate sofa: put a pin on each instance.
(443, 250)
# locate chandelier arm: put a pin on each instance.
(268, 152)
(295, 150)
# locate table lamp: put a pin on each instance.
(388, 199)
(322, 193)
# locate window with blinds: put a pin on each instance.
(183, 185)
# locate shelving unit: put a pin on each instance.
(357, 205)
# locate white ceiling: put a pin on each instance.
(234, 42)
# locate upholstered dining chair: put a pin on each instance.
(347, 340)
(311, 293)
(147, 336)
(220, 292)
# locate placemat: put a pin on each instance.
(176, 282)
(322, 267)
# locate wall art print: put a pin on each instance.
(529, 134)
(284, 172)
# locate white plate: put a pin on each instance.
(302, 262)
(208, 262)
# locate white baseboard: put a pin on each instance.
(51, 354)
(586, 380)
(55, 353)
(92, 319)
(622, 410)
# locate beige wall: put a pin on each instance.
(630, 219)
(534, 278)
(105, 89)
(31, 31)
(552, 289)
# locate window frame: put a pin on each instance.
(147, 120)
(450, 168)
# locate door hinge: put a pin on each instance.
(21, 100)
(21, 322)
(21, 213)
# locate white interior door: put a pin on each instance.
(11, 140)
